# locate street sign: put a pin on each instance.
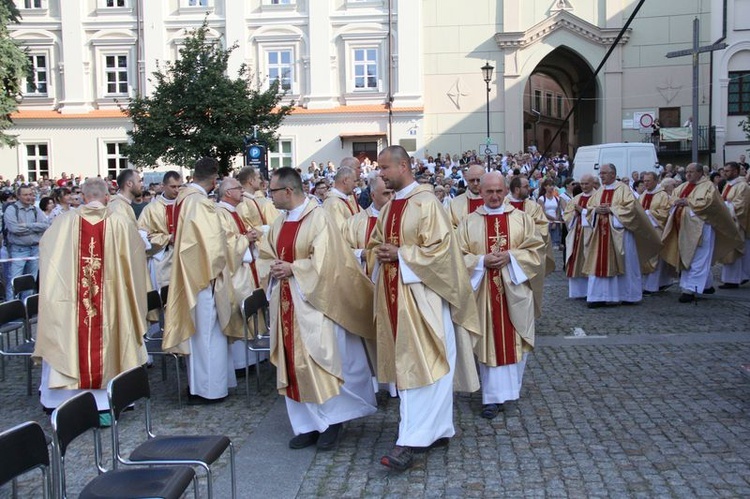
(256, 155)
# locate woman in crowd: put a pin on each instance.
(553, 208)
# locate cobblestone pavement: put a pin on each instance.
(651, 403)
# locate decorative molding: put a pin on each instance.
(561, 20)
(668, 89)
(561, 5)
(456, 91)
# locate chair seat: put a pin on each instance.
(189, 448)
(10, 326)
(167, 482)
(261, 343)
(153, 346)
(25, 348)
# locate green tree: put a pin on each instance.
(13, 67)
(745, 125)
(196, 110)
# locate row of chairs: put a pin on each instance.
(170, 459)
(18, 317)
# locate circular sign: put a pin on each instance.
(646, 120)
(255, 152)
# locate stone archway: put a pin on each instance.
(551, 90)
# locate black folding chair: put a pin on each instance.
(22, 283)
(13, 319)
(22, 449)
(153, 341)
(32, 309)
(79, 414)
(131, 386)
(251, 307)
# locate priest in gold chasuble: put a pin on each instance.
(623, 240)
(656, 203)
(200, 301)
(321, 309)
(502, 250)
(340, 204)
(256, 210)
(578, 238)
(358, 228)
(92, 300)
(426, 317)
(736, 196)
(699, 232)
(464, 204)
(157, 220)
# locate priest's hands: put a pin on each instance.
(496, 260)
(680, 202)
(603, 209)
(386, 253)
(252, 236)
(281, 269)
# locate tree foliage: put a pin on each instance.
(13, 67)
(197, 110)
(745, 125)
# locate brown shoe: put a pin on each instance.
(399, 459)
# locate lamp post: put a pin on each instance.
(487, 74)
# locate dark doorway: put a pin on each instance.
(669, 117)
(362, 150)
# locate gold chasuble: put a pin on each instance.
(738, 195)
(605, 256)
(409, 322)
(120, 204)
(463, 205)
(199, 262)
(535, 211)
(577, 239)
(683, 231)
(327, 288)
(256, 211)
(92, 298)
(339, 208)
(157, 219)
(506, 310)
(657, 204)
(357, 232)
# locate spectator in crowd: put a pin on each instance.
(62, 201)
(47, 204)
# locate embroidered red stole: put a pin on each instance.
(497, 239)
(727, 188)
(89, 303)
(603, 237)
(583, 201)
(474, 204)
(371, 221)
(391, 276)
(348, 205)
(678, 212)
(243, 231)
(285, 251)
(646, 201)
(260, 212)
(519, 205)
(170, 212)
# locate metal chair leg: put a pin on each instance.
(179, 384)
(257, 369)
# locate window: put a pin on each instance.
(548, 104)
(115, 3)
(739, 93)
(36, 80)
(116, 162)
(197, 3)
(559, 106)
(280, 67)
(282, 156)
(283, 2)
(32, 4)
(366, 69)
(116, 74)
(37, 161)
(537, 100)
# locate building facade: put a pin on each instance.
(368, 73)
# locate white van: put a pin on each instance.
(627, 158)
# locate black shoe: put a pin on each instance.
(686, 298)
(729, 285)
(399, 459)
(630, 303)
(304, 440)
(329, 438)
(709, 291)
(198, 400)
(596, 304)
(490, 411)
(646, 293)
(744, 281)
(440, 442)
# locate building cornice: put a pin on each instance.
(560, 20)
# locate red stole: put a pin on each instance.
(348, 205)
(646, 203)
(89, 303)
(678, 212)
(243, 231)
(260, 212)
(727, 188)
(583, 201)
(474, 204)
(391, 277)
(498, 239)
(371, 221)
(285, 249)
(519, 205)
(170, 211)
(603, 236)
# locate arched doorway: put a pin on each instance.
(550, 92)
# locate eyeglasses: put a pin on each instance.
(277, 189)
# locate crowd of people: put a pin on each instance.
(399, 274)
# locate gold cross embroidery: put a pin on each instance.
(92, 264)
(500, 240)
(393, 237)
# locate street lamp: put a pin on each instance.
(487, 74)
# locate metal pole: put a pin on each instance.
(487, 145)
(696, 55)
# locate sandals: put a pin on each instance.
(399, 459)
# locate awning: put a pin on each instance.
(361, 136)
